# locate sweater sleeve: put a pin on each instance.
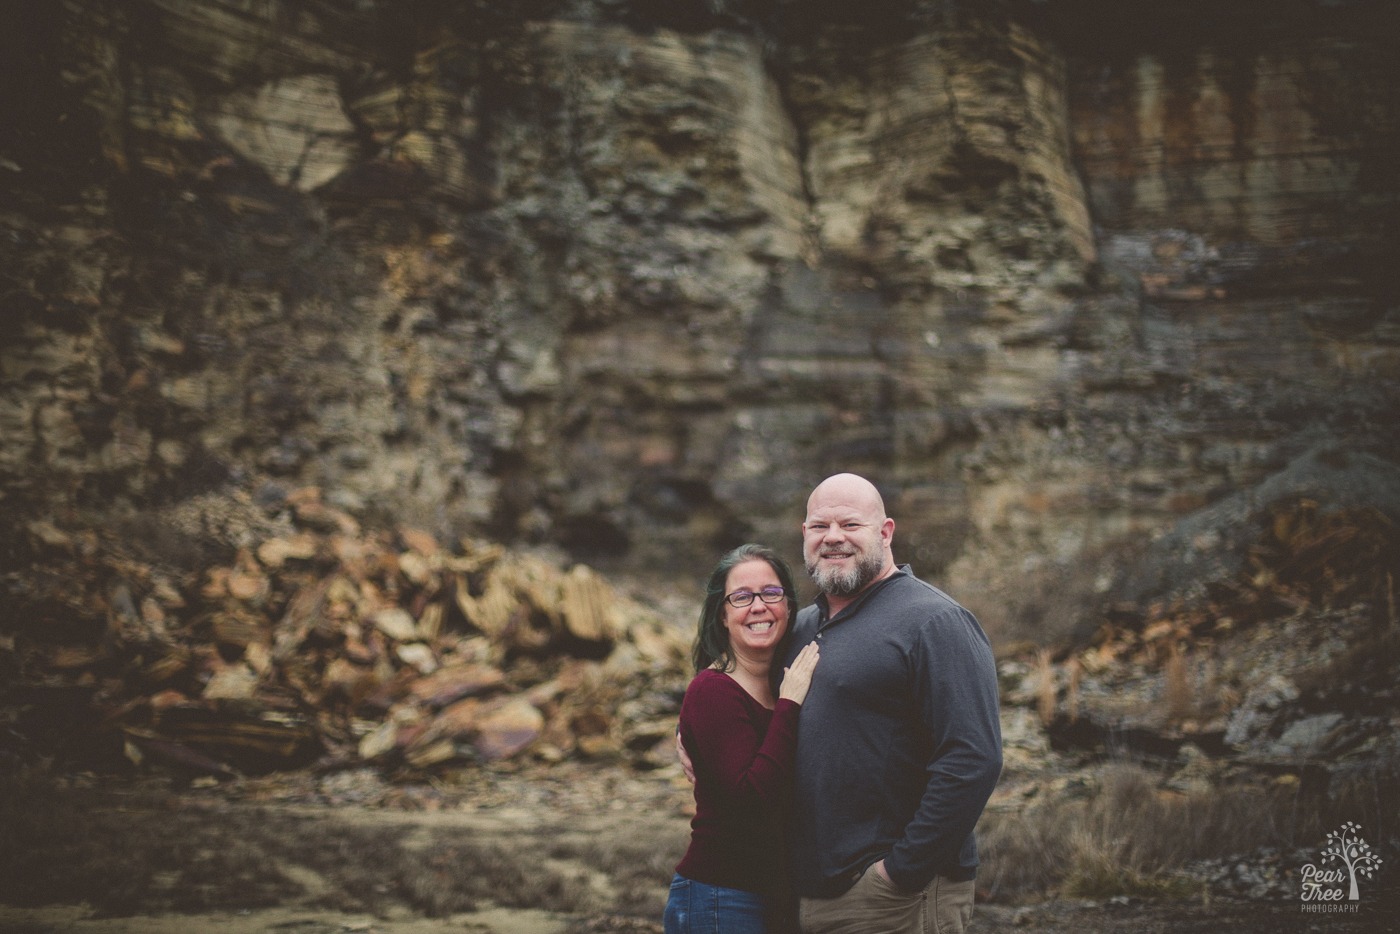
(728, 744)
(956, 691)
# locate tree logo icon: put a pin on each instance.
(1344, 848)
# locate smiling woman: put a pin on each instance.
(738, 724)
(756, 617)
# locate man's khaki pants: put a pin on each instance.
(874, 906)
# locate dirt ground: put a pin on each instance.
(574, 851)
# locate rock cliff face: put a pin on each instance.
(627, 278)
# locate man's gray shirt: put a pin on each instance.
(899, 740)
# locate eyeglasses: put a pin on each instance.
(742, 598)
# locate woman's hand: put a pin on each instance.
(797, 677)
(687, 766)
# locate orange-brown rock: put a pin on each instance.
(454, 682)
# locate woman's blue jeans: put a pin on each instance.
(697, 908)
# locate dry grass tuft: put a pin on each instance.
(1045, 690)
(1131, 836)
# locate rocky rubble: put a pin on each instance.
(1266, 873)
(1241, 718)
(321, 643)
(1291, 663)
(317, 641)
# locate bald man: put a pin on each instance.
(899, 740)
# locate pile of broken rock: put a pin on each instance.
(325, 644)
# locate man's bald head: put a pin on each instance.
(848, 489)
(846, 537)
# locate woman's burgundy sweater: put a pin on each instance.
(743, 754)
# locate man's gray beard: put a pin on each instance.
(842, 583)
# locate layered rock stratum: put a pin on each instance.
(624, 279)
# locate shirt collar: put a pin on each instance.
(900, 570)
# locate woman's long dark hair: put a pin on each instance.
(712, 639)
